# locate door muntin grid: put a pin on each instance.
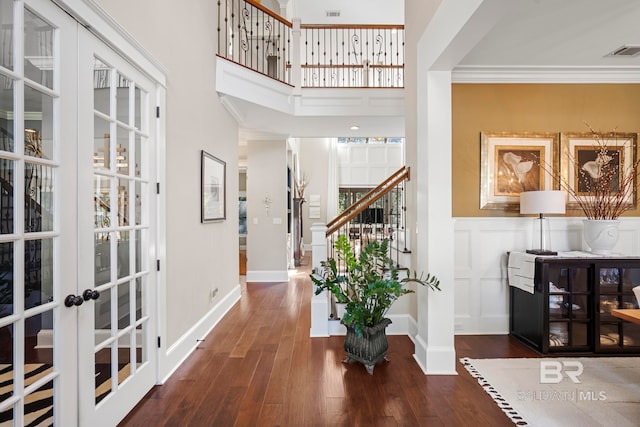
(29, 164)
(121, 185)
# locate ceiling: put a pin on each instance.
(561, 33)
(540, 35)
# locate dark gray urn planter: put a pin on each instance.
(368, 349)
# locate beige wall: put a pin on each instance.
(529, 108)
(199, 256)
(314, 163)
(266, 232)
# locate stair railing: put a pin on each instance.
(378, 215)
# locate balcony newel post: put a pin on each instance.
(296, 68)
(320, 308)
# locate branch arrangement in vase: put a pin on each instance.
(605, 187)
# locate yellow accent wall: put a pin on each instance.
(529, 108)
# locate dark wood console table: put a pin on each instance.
(572, 305)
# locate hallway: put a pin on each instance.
(258, 367)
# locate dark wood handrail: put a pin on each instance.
(270, 13)
(329, 66)
(350, 26)
(352, 211)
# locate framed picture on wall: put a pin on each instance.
(515, 162)
(214, 188)
(581, 158)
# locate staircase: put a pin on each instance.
(378, 215)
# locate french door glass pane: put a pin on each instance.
(141, 351)
(122, 99)
(38, 124)
(6, 370)
(6, 25)
(122, 152)
(38, 49)
(37, 399)
(101, 86)
(138, 149)
(39, 361)
(6, 288)
(138, 246)
(101, 144)
(38, 272)
(124, 359)
(140, 295)
(123, 202)
(102, 260)
(103, 373)
(124, 304)
(123, 254)
(6, 113)
(137, 108)
(39, 197)
(141, 192)
(7, 171)
(102, 316)
(102, 201)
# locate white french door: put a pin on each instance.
(77, 223)
(117, 233)
(38, 211)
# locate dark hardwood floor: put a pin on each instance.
(258, 367)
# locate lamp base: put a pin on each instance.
(541, 252)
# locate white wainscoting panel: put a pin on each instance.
(481, 246)
(367, 164)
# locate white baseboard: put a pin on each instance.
(435, 360)
(178, 352)
(268, 276)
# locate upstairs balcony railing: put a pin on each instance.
(345, 56)
(352, 55)
(251, 35)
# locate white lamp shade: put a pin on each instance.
(542, 202)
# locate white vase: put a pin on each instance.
(636, 291)
(601, 235)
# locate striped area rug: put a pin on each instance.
(39, 404)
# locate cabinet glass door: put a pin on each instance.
(569, 301)
(615, 286)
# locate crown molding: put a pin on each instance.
(95, 19)
(496, 74)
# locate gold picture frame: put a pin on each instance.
(580, 150)
(515, 162)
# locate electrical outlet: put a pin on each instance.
(214, 292)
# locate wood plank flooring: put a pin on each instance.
(258, 367)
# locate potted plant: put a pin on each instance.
(368, 283)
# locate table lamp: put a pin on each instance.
(542, 202)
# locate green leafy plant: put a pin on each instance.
(368, 283)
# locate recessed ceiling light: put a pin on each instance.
(354, 127)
